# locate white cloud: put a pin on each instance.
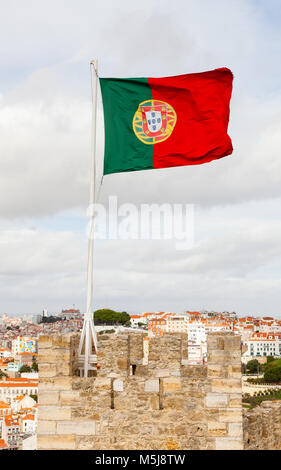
(45, 122)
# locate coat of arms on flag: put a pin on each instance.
(154, 121)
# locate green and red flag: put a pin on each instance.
(166, 122)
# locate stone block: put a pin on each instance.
(70, 397)
(224, 357)
(151, 385)
(215, 370)
(55, 383)
(53, 356)
(51, 442)
(216, 400)
(194, 371)
(44, 341)
(173, 402)
(46, 427)
(162, 373)
(229, 443)
(171, 384)
(47, 370)
(234, 371)
(230, 415)
(118, 385)
(54, 413)
(64, 369)
(235, 430)
(123, 363)
(103, 383)
(215, 342)
(64, 341)
(79, 428)
(217, 429)
(48, 398)
(226, 385)
(232, 343)
(235, 400)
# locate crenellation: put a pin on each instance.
(162, 404)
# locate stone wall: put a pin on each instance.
(262, 426)
(165, 404)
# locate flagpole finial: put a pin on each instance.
(94, 63)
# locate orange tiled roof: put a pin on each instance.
(10, 421)
(29, 417)
(22, 384)
(3, 444)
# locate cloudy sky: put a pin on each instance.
(45, 137)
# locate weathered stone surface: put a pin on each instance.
(70, 397)
(160, 405)
(229, 443)
(47, 370)
(235, 400)
(46, 427)
(162, 373)
(226, 385)
(151, 385)
(56, 442)
(54, 413)
(54, 383)
(49, 398)
(217, 429)
(118, 385)
(230, 415)
(216, 400)
(82, 428)
(171, 384)
(45, 341)
(235, 429)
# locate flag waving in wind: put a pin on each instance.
(166, 122)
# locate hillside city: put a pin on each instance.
(261, 348)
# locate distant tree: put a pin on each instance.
(269, 359)
(110, 317)
(50, 319)
(25, 369)
(34, 366)
(273, 374)
(253, 366)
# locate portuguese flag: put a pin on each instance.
(165, 122)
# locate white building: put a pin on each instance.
(11, 432)
(11, 388)
(22, 402)
(30, 442)
(264, 344)
(28, 424)
(5, 352)
(176, 324)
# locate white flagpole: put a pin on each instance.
(88, 332)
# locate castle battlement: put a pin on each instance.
(132, 403)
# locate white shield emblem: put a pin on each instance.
(154, 120)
